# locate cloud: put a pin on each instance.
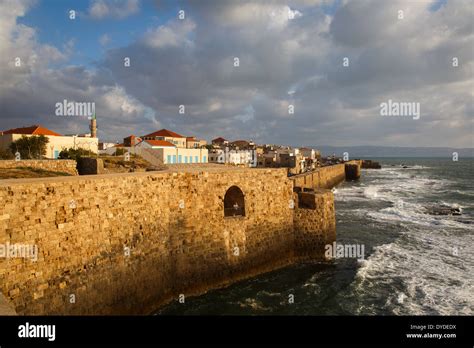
(284, 60)
(104, 39)
(99, 9)
(175, 34)
(29, 92)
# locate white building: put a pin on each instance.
(56, 143)
(168, 153)
(308, 153)
(246, 158)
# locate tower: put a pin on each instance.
(93, 126)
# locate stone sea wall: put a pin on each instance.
(126, 243)
(321, 178)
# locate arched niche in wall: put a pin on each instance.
(234, 202)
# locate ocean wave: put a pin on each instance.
(415, 214)
(390, 189)
(425, 276)
(254, 304)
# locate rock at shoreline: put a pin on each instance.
(369, 164)
(443, 210)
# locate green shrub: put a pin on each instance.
(75, 154)
(33, 147)
(6, 154)
(120, 151)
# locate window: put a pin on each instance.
(196, 159)
(234, 203)
(185, 159)
(180, 159)
(204, 158)
(169, 159)
(174, 159)
(190, 159)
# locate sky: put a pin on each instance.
(332, 62)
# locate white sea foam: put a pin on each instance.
(433, 279)
(253, 304)
(429, 268)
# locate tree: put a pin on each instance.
(6, 154)
(33, 147)
(75, 154)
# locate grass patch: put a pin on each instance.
(28, 172)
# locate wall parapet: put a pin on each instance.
(320, 178)
(58, 165)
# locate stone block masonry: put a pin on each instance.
(352, 170)
(314, 224)
(90, 166)
(321, 178)
(128, 243)
(64, 166)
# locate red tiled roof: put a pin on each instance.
(220, 140)
(32, 130)
(164, 133)
(159, 143)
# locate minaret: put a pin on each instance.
(93, 126)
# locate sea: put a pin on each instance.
(415, 219)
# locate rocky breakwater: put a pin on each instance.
(369, 164)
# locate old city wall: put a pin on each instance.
(64, 166)
(329, 176)
(321, 178)
(124, 244)
(128, 243)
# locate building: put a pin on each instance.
(308, 153)
(295, 163)
(246, 158)
(154, 144)
(220, 142)
(242, 145)
(312, 157)
(105, 146)
(163, 134)
(56, 144)
(171, 148)
(267, 160)
(131, 140)
(183, 155)
(193, 143)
